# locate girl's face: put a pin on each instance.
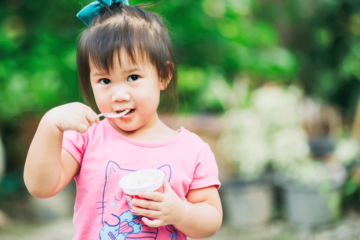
(135, 87)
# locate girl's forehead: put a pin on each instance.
(123, 60)
(126, 60)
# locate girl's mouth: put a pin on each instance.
(120, 111)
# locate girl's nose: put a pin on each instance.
(120, 95)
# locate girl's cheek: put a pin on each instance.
(102, 101)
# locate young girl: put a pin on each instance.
(125, 60)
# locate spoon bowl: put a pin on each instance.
(113, 115)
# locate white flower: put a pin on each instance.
(269, 128)
(347, 150)
(308, 172)
(317, 174)
(253, 155)
(289, 145)
(280, 107)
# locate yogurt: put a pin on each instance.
(148, 180)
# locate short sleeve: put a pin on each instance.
(75, 143)
(206, 170)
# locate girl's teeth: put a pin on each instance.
(119, 111)
(128, 111)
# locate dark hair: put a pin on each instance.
(141, 34)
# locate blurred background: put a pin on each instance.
(272, 86)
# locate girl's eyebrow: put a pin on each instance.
(95, 74)
(131, 70)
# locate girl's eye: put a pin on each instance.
(133, 77)
(105, 81)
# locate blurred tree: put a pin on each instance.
(312, 42)
(324, 34)
(219, 39)
(38, 49)
(37, 72)
(210, 37)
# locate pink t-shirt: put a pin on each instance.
(106, 156)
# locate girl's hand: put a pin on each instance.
(72, 116)
(166, 207)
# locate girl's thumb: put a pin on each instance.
(167, 186)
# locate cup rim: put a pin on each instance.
(150, 187)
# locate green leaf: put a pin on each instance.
(350, 187)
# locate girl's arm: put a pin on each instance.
(203, 214)
(48, 167)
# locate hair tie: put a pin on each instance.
(90, 11)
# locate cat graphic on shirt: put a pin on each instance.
(126, 225)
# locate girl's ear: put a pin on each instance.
(164, 82)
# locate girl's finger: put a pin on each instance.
(85, 122)
(154, 196)
(151, 205)
(167, 186)
(97, 119)
(146, 212)
(82, 128)
(152, 223)
(92, 117)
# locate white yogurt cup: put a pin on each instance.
(148, 180)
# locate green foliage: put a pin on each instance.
(11, 183)
(222, 38)
(268, 40)
(350, 187)
(38, 48)
(324, 35)
(196, 91)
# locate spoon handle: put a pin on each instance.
(112, 115)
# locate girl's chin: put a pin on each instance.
(124, 127)
(128, 129)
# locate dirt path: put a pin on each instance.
(62, 229)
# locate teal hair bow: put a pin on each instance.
(88, 13)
